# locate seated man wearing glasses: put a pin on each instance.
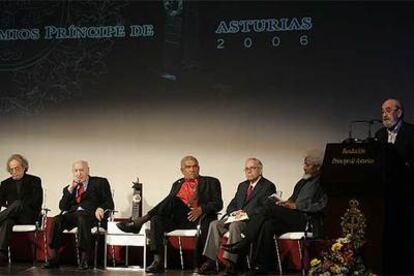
(279, 217)
(248, 200)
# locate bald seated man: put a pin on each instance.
(82, 205)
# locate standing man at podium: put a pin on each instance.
(399, 238)
(193, 200)
(397, 132)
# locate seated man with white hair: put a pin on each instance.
(279, 217)
(82, 205)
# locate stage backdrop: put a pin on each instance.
(133, 86)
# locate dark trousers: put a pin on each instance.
(67, 221)
(274, 220)
(8, 218)
(175, 217)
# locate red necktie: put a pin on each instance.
(80, 192)
(249, 192)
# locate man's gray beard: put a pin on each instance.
(389, 123)
(306, 176)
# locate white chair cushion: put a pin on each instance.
(295, 236)
(71, 231)
(93, 230)
(182, 233)
(24, 228)
(101, 230)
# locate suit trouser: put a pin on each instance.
(216, 230)
(274, 220)
(175, 217)
(67, 221)
(8, 218)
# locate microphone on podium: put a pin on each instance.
(369, 123)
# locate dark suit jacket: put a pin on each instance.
(404, 143)
(208, 194)
(31, 195)
(309, 196)
(97, 194)
(263, 189)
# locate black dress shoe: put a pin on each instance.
(257, 270)
(128, 227)
(4, 260)
(208, 267)
(133, 226)
(51, 263)
(84, 264)
(155, 267)
(240, 247)
(84, 261)
(230, 269)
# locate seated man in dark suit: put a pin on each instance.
(192, 200)
(279, 217)
(249, 199)
(22, 195)
(83, 203)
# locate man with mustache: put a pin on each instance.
(397, 132)
(193, 200)
(400, 205)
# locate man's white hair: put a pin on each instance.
(314, 156)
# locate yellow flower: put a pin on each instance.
(335, 269)
(315, 262)
(336, 246)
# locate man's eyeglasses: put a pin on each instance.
(389, 110)
(250, 168)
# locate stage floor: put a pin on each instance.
(28, 269)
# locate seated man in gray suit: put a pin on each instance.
(249, 199)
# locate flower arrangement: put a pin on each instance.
(343, 257)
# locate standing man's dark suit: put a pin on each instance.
(251, 205)
(404, 143)
(82, 215)
(23, 199)
(399, 220)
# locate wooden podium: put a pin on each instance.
(372, 174)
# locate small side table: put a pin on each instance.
(114, 236)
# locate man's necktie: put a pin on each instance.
(249, 192)
(80, 192)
